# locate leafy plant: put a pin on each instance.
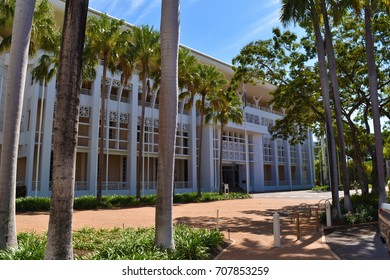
(32, 204)
(362, 214)
(124, 244)
(321, 188)
(31, 246)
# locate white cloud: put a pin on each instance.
(147, 10)
(272, 3)
(118, 8)
(254, 31)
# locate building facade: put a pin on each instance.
(252, 161)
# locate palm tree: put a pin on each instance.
(59, 238)
(103, 34)
(167, 122)
(146, 45)
(304, 11)
(336, 99)
(186, 71)
(206, 80)
(21, 31)
(225, 107)
(43, 30)
(126, 63)
(7, 10)
(369, 6)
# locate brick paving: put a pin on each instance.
(248, 223)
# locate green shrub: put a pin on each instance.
(124, 244)
(365, 209)
(148, 200)
(31, 246)
(185, 198)
(362, 214)
(321, 188)
(368, 200)
(32, 204)
(207, 197)
(89, 202)
(195, 244)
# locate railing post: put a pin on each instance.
(328, 214)
(317, 219)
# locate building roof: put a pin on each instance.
(262, 89)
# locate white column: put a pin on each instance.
(193, 151)
(33, 107)
(275, 163)
(311, 158)
(324, 163)
(133, 123)
(47, 137)
(258, 165)
(288, 164)
(93, 154)
(107, 127)
(207, 163)
(247, 177)
(300, 164)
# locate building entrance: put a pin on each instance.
(230, 176)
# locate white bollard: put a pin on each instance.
(328, 215)
(276, 230)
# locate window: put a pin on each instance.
(267, 149)
(281, 151)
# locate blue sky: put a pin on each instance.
(219, 28)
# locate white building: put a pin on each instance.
(251, 160)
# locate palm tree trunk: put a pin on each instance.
(16, 78)
(373, 87)
(167, 122)
(59, 239)
(337, 105)
(336, 213)
(102, 129)
(141, 134)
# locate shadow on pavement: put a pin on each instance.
(357, 242)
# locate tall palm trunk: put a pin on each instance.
(16, 78)
(337, 105)
(167, 122)
(102, 129)
(373, 87)
(336, 213)
(59, 239)
(141, 134)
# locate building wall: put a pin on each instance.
(252, 161)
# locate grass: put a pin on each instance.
(124, 244)
(25, 204)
